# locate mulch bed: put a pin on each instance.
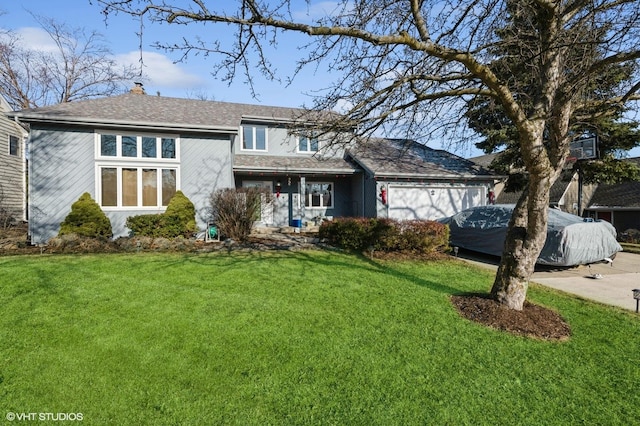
(533, 321)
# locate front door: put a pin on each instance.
(266, 212)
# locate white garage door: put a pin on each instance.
(431, 202)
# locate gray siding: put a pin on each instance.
(357, 195)
(205, 167)
(345, 201)
(61, 169)
(12, 170)
(371, 192)
(281, 143)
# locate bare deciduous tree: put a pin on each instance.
(80, 66)
(407, 64)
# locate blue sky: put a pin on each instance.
(191, 77)
(188, 78)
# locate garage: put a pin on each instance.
(431, 202)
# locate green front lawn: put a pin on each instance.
(295, 338)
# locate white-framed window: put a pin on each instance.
(307, 143)
(131, 146)
(136, 187)
(254, 138)
(319, 194)
(14, 146)
(136, 171)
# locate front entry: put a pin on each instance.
(266, 212)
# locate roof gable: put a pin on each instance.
(406, 158)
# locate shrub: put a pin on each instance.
(148, 225)
(235, 210)
(181, 213)
(424, 236)
(387, 235)
(631, 236)
(86, 219)
(178, 220)
(348, 233)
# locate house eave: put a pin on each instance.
(260, 119)
(435, 177)
(292, 170)
(44, 119)
(613, 208)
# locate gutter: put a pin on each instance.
(286, 169)
(612, 208)
(436, 177)
(123, 124)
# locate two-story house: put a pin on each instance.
(133, 152)
(12, 167)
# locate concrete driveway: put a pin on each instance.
(609, 284)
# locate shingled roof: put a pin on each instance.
(273, 164)
(158, 112)
(409, 159)
(625, 195)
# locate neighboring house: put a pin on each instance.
(12, 166)
(132, 152)
(563, 194)
(485, 161)
(618, 204)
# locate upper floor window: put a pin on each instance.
(254, 138)
(138, 147)
(14, 146)
(307, 143)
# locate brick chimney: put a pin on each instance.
(138, 89)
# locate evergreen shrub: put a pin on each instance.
(179, 220)
(86, 219)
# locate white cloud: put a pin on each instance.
(160, 72)
(33, 38)
(343, 106)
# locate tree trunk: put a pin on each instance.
(525, 239)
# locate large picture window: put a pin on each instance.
(319, 194)
(136, 171)
(136, 186)
(254, 138)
